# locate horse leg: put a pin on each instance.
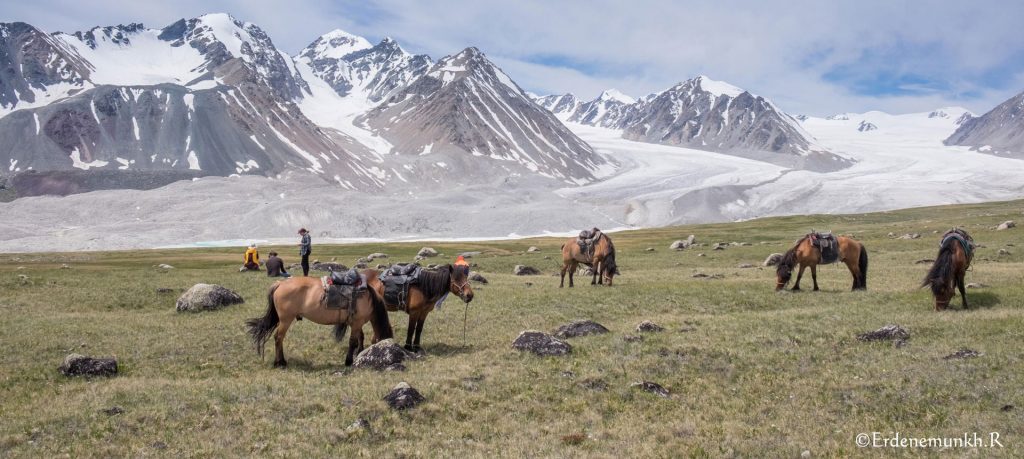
(960, 285)
(419, 332)
(282, 330)
(799, 275)
(855, 272)
(814, 276)
(572, 272)
(562, 283)
(600, 269)
(411, 330)
(353, 343)
(593, 277)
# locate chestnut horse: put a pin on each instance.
(430, 289)
(602, 263)
(806, 254)
(956, 250)
(301, 297)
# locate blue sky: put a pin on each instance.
(809, 57)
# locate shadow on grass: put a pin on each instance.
(979, 300)
(444, 349)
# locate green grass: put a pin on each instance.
(755, 374)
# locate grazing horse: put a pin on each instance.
(956, 250)
(601, 260)
(302, 297)
(806, 253)
(429, 290)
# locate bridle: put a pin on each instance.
(459, 288)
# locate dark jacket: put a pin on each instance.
(307, 245)
(275, 266)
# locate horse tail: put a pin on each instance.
(863, 267)
(261, 327)
(339, 331)
(380, 321)
(942, 269)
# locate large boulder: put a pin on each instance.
(403, 397)
(683, 243)
(384, 355)
(540, 343)
(580, 328)
(426, 252)
(523, 270)
(773, 259)
(477, 277)
(374, 256)
(207, 297)
(80, 365)
(1006, 225)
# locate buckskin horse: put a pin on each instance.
(303, 297)
(428, 291)
(821, 249)
(956, 250)
(599, 256)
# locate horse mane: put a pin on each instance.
(942, 270)
(434, 283)
(788, 260)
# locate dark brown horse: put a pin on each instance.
(806, 254)
(302, 297)
(601, 260)
(430, 289)
(956, 250)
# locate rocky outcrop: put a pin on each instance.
(207, 297)
(541, 343)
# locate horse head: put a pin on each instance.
(610, 269)
(784, 269)
(459, 280)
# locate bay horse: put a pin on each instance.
(301, 297)
(601, 261)
(956, 250)
(806, 254)
(430, 290)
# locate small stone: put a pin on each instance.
(745, 266)
(805, 454)
(1006, 225)
(427, 252)
(963, 353)
(652, 387)
(164, 290)
(1004, 252)
(80, 365)
(910, 236)
(541, 343)
(65, 266)
(568, 374)
(580, 328)
(523, 270)
(533, 250)
(700, 254)
(649, 327)
(632, 338)
(477, 277)
(165, 266)
(976, 285)
(374, 256)
(924, 261)
(649, 249)
(888, 332)
(403, 397)
(595, 384)
(719, 246)
(1006, 408)
(113, 411)
(772, 259)
(468, 254)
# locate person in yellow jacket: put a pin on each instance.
(252, 259)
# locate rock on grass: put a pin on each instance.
(207, 297)
(523, 270)
(963, 353)
(477, 277)
(383, 355)
(580, 328)
(886, 333)
(652, 387)
(541, 343)
(403, 397)
(80, 365)
(648, 327)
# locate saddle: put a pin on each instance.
(961, 236)
(397, 280)
(827, 245)
(587, 240)
(342, 288)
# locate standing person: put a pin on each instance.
(275, 266)
(305, 248)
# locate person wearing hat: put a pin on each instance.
(305, 248)
(252, 259)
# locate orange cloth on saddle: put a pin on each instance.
(252, 256)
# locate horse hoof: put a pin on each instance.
(409, 348)
(281, 364)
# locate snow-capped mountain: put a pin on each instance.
(213, 96)
(465, 113)
(562, 105)
(1000, 131)
(706, 114)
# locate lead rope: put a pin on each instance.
(465, 317)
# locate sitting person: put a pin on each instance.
(252, 259)
(275, 266)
